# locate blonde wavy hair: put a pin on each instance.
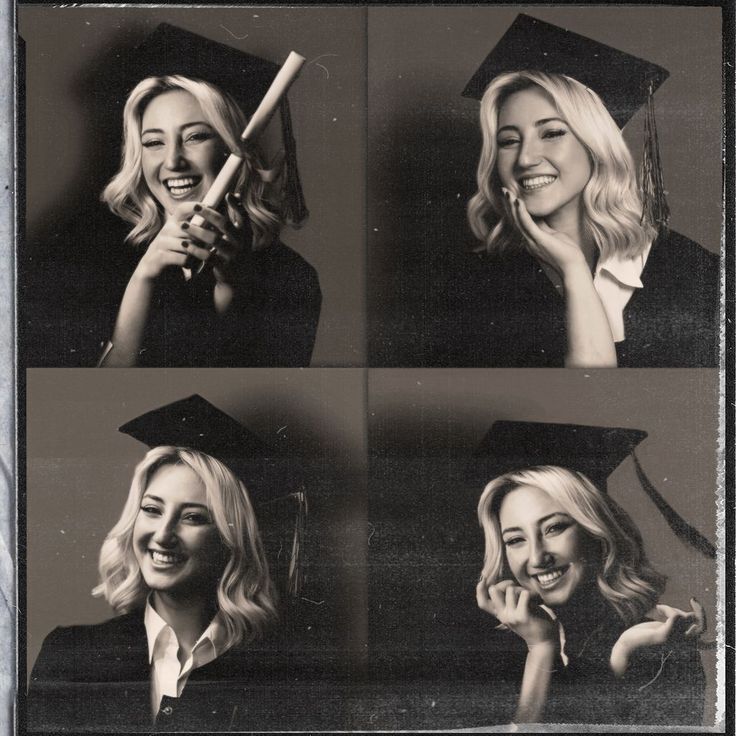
(127, 193)
(624, 576)
(246, 595)
(612, 205)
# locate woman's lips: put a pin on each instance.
(165, 559)
(550, 578)
(181, 186)
(533, 183)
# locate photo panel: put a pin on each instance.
(79, 470)
(435, 298)
(78, 65)
(441, 662)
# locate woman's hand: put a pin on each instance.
(222, 239)
(547, 245)
(513, 607)
(168, 248)
(673, 625)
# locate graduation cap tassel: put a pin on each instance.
(679, 526)
(655, 209)
(295, 208)
(295, 564)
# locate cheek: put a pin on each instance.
(504, 169)
(515, 564)
(212, 159)
(579, 162)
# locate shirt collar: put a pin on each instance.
(215, 633)
(627, 271)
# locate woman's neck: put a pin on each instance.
(188, 617)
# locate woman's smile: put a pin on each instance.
(539, 157)
(547, 551)
(176, 542)
(181, 152)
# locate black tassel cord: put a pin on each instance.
(655, 209)
(679, 526)
(295, 208)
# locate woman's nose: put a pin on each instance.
(539, 555)
(165, 532)
(529, 154)
(174, 160)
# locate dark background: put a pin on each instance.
(424, 138)
(79, 469)
(425, 544)
(73, 135)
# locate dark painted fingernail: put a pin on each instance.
(185, 226)
(185, 243)
(506, 193)
(197, 208)
(516, 204)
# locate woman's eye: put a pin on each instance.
(152, 143)
(557, 528)
(507, 142)
(200, 136)
(555, 133)
(513, 541)
(150, 510)
(195, 518)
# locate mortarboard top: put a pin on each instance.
(273, 478)
(621, 80)
(246, 78)
(171, 50)
(593, 451)
(195, 423)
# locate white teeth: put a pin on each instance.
(182, 185)
(547, 578)
(165, 558)
(183, 182)
(536, 182)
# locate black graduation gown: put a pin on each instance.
(70, 289)
(97, 678)
(663, 685)
(503, 311)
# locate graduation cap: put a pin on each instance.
(246, 78)
(272, 477)
(592, 451)
(625, 83)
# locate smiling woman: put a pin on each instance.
(576, 265)
(254, 301)
(185, 569)
(565, 570)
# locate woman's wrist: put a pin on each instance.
(619, 661)
(544, 652)
(576, 272)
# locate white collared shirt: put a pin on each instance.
(168, 677)
(615, 279)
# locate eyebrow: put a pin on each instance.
(539, 123)
(186, 503)
(539, 521)
(183, 127)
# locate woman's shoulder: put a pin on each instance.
(288, 260)
(681, 252)
(91, 637)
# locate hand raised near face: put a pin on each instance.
(168, 248)
(544, 243)
(513, 607)
(221, 239)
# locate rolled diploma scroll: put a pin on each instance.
(258, 122)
